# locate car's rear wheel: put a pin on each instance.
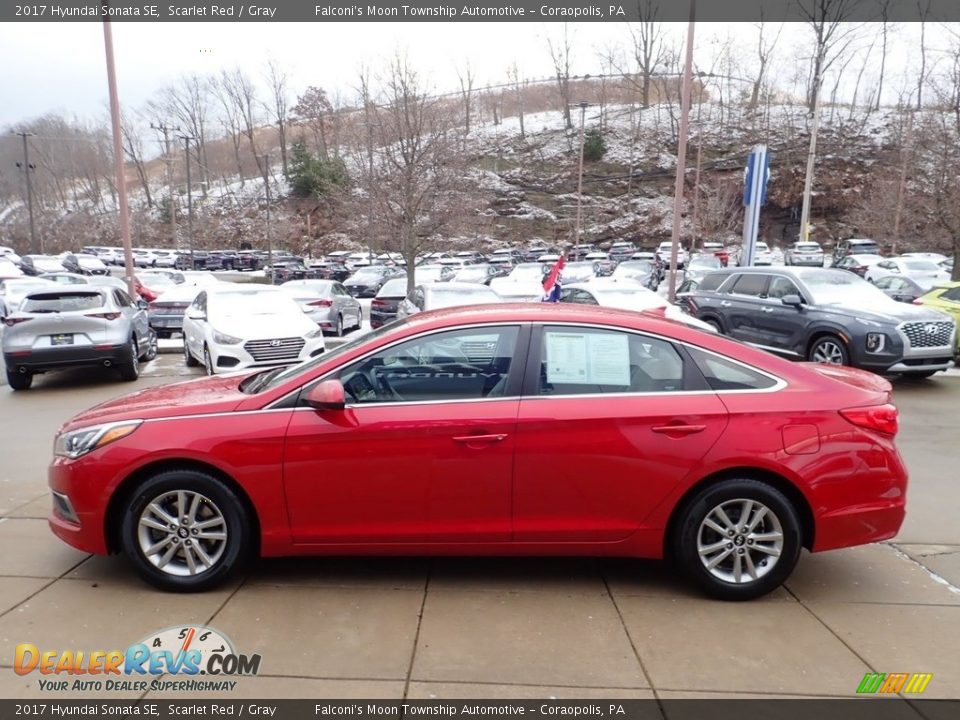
(19, 381)
(185, 531)
(738, 539)
(188, 358)
(338, 326)
(153, 348)
(830, 350)
(715, 324)
(130, 368)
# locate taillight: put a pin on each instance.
(379, 303)
(11, 321)
(917, 301)
(105, 316)
(320, 303)
(881, 418)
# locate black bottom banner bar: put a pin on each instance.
(874, 708)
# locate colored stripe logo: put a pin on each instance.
(893, 683)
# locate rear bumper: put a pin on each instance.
(379, 319)
(64, 357)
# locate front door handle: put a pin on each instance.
(479, 439)
(725, 303)
(767, 309)
(679, 430)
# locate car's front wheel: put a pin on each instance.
(829, 350)
(208, 361)
(188, 358)
(738, 539)
(185, 531)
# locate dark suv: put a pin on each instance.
(824, 315)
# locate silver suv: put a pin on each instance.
(74, 327)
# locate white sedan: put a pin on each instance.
(627, 295)
(925, 273)
(231, 327)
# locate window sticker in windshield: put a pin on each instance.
(588, 358)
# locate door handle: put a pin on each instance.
(471, 439)
(679, 430)
(725, 303)
(767, 309)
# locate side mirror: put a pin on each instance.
(142, 304)
(792, 300)
(327, 395)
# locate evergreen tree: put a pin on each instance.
(312, 176)
(594, 146)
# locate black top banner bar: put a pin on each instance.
(488, 11)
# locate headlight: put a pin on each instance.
(315, 333)
(223, 339)
(75, 443)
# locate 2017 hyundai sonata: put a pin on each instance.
(515, 429)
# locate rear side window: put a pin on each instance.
(711, 282)
(62, 302)
(953, 294)
(723, 374)
(750, 284)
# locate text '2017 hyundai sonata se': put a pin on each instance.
(514, 429)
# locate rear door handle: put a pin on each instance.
(679, 430)
(471, 439)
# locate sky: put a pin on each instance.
(59, 67)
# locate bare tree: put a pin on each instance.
(189, 103)
(826, 18)
(466, 78)
(886, 28)
(764, 51)
(231, 121)
(924, 9)
(277, 80)
(519, 87)
(412, 173)
(560, 54)
(648, 49)
(242, 94)
(133, 149)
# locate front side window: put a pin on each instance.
(470, 364)
(589, 361)
(780, 287)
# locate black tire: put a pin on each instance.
(829, 346)
(152, 349)
(730, 495)
(338, 326)
(19, 381)
(130, 368)
(920, 376)
(217, 500)
(188, 359)
(715, 324)
(208, 361)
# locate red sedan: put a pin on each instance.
(532, 429)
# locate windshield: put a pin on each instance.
(807, 247)
(62, 302)
(430, 274)
(369, 272)
(838, 287)
(394, 288)
(245, 304)
(630, 299)
(443, 297)
(527, 271)
(920, 266)
(707, 262)
(472, 274)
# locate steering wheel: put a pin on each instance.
(383, 387)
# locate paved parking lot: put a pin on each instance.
(510, 628)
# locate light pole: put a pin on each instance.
(27, 167)
(583, 114)
(266, 184)
(186, 147)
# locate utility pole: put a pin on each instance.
(168, 160)
(186, 145)
(266, 185)
(27, 167)
(902, 188)
(811, 158)
(118, 157)
(681, 154)
(583, 114)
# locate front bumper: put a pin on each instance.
(67, 356)
(78, 483)
(231, 358)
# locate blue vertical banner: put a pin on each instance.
(755, 178)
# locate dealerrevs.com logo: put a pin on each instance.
(183, 652)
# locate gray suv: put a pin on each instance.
(77, 326)
(824, 315)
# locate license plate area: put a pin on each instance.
(62, 339)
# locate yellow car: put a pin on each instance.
(946, 298)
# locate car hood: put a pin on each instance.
(215, 394)
(894, 313)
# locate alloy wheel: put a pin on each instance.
(182, 533)
(829, 352)
(740, 541)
